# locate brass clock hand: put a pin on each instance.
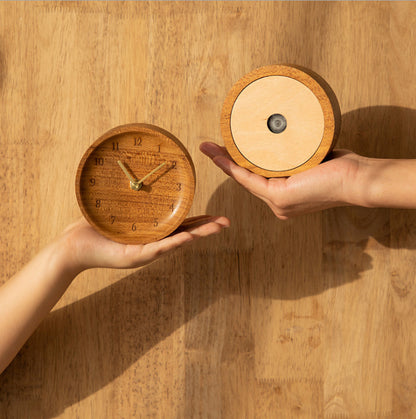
(134, 183)
(140, 182)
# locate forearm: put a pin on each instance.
(29, 296)
(388, 183)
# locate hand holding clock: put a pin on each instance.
(145, 224)
(280, 122)
(343, 180)
(31, 293)
(86, 248)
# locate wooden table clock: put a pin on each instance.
(280, 120)
(135, 184)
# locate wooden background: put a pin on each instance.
(314, 317)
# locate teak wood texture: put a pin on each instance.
(135, 184)
(307, 102)
(313, 317)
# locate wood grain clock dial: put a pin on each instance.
(279, 120)
(135, 184)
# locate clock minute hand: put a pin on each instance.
(140, 182)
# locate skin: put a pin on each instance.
(344, 179)
(30, 294)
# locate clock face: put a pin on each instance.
(136, 184)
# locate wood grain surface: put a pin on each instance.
(310, 318)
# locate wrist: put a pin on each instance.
(64, 256)
(350, 177)
(372, 183)
(362, 183)
(386, 183)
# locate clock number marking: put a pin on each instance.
(158, 149)
(171, 207)
(133, 227)
(98, 203)
(137, 141)
(92, 181)
(155, 223)
(112, 218)
(115, 146)
(99, 161)
(179, 186)
(174, 165)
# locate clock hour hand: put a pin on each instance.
(134, 183)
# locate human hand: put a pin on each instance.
(338, 181)
(86, 248)
(32, 292)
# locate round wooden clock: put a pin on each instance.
(135, 184)
(279, 120)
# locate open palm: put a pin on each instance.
(316, 189)
(89, 249)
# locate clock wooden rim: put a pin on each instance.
(134, 128)
(319, 87)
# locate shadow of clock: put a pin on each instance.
(84, 346)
